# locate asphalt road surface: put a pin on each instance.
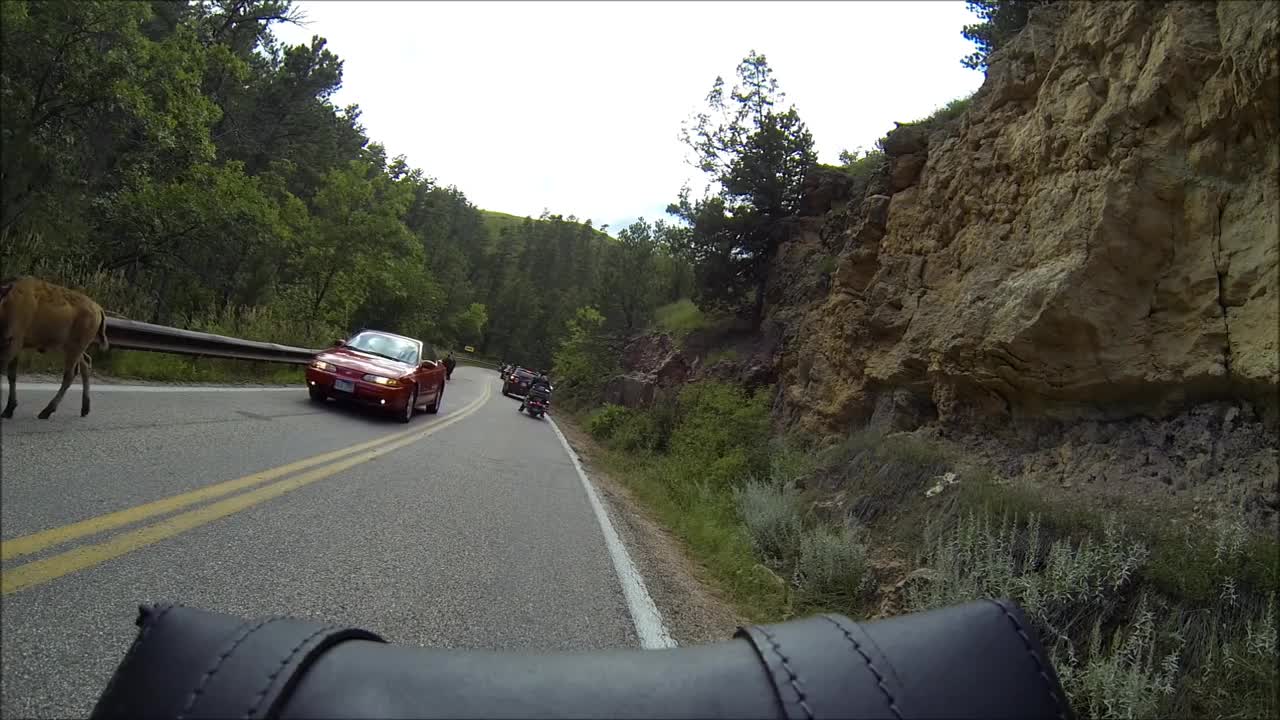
(467, 529)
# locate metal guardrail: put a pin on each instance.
(136, 335)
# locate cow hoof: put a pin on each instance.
(44, 415)
(6, 414)
(84, 411)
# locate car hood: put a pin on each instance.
(365, 363)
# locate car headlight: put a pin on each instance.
(389, 382)
(321, 365)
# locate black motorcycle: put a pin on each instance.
(537, 402)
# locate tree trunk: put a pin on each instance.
(757, 312)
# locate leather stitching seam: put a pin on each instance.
(1026, 643)
(283, 663)
(786, 665)
(893, 706)
(217, 665)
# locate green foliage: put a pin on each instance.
(1236, 674)
(1062, 585)
(772, 513)
(583, 363)
(1161, 656)
(832, 563)
(137, 365)
(1122, 679)
(645, 431)
(630, 273)
(679, 318)
(1122, 646)
(722, 431)
(707, 522)
(183, 146)
(865, 164)
(716, 430)
(673, 456)
(470, 324)
(718, 356)
(603, 422)
(499, 221)
(1000, 21)
(881, 472)
(950, 111)
(758, 156)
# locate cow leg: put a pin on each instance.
(68, 373)
(9, 361)
(86, 367)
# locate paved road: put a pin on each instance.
(477, 534)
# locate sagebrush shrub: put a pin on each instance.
(833, 561)
(772, 515)
(1058, 587)
(1127, 679)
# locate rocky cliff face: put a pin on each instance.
(1095, 238)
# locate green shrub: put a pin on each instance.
(583, 364)
(1234, 673)
(833, 562)
(950, 111)
(1061, 586)
(1128, 678)
(882, 471)
(679, 318)
(789, 463)
(722, 431)
(863, 165)
(637, 431)
(604, 421)
(718, 356)
(771, 513)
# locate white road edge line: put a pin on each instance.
(103, 387)
(644, 614)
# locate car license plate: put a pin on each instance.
(344, 385)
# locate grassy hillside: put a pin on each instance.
(497, 221)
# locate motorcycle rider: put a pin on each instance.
(542, 384)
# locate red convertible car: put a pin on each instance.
(380, 369)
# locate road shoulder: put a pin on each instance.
(692, 611)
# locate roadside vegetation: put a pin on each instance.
(1142, 621)
(182, 166)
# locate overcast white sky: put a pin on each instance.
(576, 107)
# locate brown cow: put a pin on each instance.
(38, 315)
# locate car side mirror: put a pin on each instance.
(428, 364)
(339, 342)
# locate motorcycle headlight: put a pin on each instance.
(389, 382)
(321, 365)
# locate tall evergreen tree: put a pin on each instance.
(756, 156)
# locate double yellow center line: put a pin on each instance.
(80, 558)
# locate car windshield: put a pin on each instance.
(387, 346)
(523, 374)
